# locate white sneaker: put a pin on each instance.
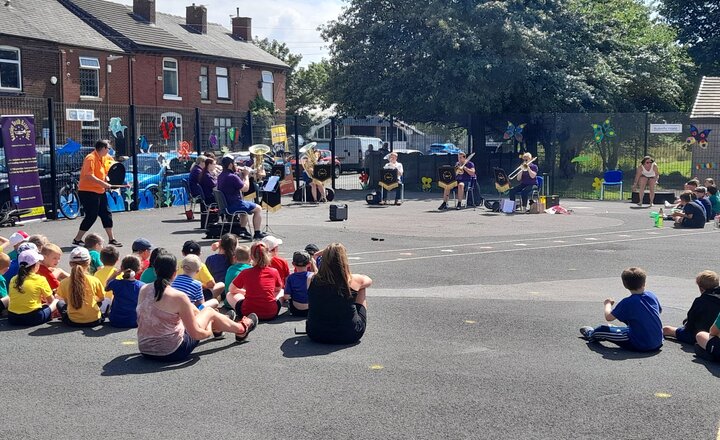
(667, 204)
(652, 204)
(639, 205)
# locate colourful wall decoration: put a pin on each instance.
(426, 183)
(706, 166)
(602, 131)
(514, 132)
(697, 136)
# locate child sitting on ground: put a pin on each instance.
(149, 276)
(708, 343)
(109, 257)
(141, 247)
(4, 298)
(27, 290)
(83, 296)
(51, 258)
(703, 311)
(211, 289)
(692, 214)
(219, 263)
(258, 289)
(241, 262)
(276, 261)
(640, 311)
(714, 198)
(125, 293)
(297, 283)
(94, 244)
(15, 240)
(191, 287)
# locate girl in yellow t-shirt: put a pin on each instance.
(27, 290)
(83, 296)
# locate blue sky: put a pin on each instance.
(294, 22)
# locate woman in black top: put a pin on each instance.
(336, 299)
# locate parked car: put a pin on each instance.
(325, 156)
(155, 169)
(447, 148)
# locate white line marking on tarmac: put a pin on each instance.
(497, 251)
(447, 250)
(520, 244)
(485, 247)
(624, 236)
(591, 239)
(559, 241)
(354, 258)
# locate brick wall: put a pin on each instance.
(39, 62)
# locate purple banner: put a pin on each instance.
(18, 141)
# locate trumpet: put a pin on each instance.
(522, 168)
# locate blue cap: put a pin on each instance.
(141, 244)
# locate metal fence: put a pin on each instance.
(574, 150)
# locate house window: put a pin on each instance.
(204, 92)
(267, 86)
(89, 77)
(221, 128)
(175, 135)
(90, 132)
(223, 89)
(10, 78)
(170, 78)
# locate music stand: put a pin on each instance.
(271, 200)
(389, 181)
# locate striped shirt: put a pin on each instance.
(190, 287)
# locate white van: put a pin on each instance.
(351, 150)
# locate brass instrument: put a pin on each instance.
(259, 151)
(522, 168)
(460, 169)
(308, 152)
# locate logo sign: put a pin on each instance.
(75, 114)
(278, 134)
(666, 128)
(18, 141)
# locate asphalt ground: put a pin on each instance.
(472, 333)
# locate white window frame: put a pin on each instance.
(91, 63)
(206, 79)
(177, 135)
(19, 64)
(170, 96)
(218, 78)
(268, 84)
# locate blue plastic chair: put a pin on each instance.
(612, 178)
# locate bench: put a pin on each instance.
(660, 197)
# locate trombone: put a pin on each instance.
(522, 168)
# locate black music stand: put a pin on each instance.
(322, 172)
(389, 181)
(271, 188)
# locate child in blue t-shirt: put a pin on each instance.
(296, 285)
(640, 311)
(4, 266)
(125, 293)
(241, 261)
(191, 287)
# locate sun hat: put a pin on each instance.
(26, 247)
(29, 257)
(17, 238)
(79, 255)
(271, 242)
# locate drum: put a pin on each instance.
(116, 174)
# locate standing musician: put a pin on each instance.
(464, 175)
(317, 189)
(232, 186)
(393, 164)
(528, 180)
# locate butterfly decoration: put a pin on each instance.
(697, 136)
(426, 183)
(514, 132)
(143, 144)
(116, 127)
(70, 147)
(602, 131)
(184, 150)
(597, 184)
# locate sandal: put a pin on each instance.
(397, 203)
(115, 243)
(78, 242)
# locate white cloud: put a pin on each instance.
(294, 22)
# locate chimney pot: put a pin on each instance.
(196, 18)
(242, 28)
(145, 9)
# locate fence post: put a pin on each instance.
(133, 150)
(198, 142)
(53, 160)
(250, 127)
(391, 132)
(332, 150)
(297, 151)
(647, 120)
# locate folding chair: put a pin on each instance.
(224, 212)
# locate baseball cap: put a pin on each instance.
(141, 244)
(17, 238)
(191, 247)
(29, 257)
(301, 258)
(271, 242)
(79, 255)
(26, 247)
(312, 249)
(226, 161)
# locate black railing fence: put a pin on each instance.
(573, 150)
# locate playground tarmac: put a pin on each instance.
(472, 333)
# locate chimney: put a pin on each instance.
(145, 9)
(242, 28)
(196, 18)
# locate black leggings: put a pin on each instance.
(95, 204)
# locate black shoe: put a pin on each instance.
(244, 234)
(78, 242)
(259, 235)
(250, 321)
(115, 243)
(442, 207)
(458, 206)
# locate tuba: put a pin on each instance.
(308, 151)
(259, 151)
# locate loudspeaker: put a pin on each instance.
(553, 200)
(338, 212)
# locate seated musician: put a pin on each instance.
(464, 175)
(317, 189)
(393, 164)
(528, 180)
(232, 186)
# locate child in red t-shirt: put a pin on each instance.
(257, 289)
(276, 261)
(48, 266)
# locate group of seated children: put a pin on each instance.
(641, 313)
(697, 204)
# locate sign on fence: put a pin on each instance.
(76, 114)
(666, 128)
(18, 141)
(278, 134)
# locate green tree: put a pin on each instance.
(698, 26)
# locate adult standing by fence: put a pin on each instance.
(646, 174)
(92, 187)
